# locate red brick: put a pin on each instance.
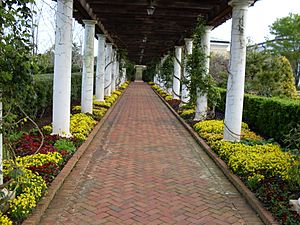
(142, 168)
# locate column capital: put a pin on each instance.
(208, 28)
(240, 3)
(101, 36)
(188, 40)
(179, 46)
(89, 22)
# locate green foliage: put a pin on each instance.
(188, 114)
(130, 70)
(45, 61)
(66, 145)
(29, 188)
(150, 71)
(218, 68)
(269, 75)
(166, 70)
(273, 175)
(266, 74)
(43, 94)
(270, 117)
(16, 62)
(76, 58)
(200, 82)
(292, 139)
(287, 42)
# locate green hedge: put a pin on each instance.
(270, 117)
(43, 93)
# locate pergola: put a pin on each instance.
(146, 30)
(146, 37)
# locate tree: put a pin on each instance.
(15, 52)
(287, 41)
(218, 68)
(76, 58)
(269, 75)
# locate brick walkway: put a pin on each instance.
(143, 167)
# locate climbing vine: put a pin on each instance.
(166, 70)
(150, 71)
(199, 81)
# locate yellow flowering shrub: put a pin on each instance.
(47, 129)
(267, 160)
(212, 130)
(40, 159)
(99, 113)
(248, 161)
(111, 99)
(117, 92)
(4, 220)
(29, 187)
(77, 108)
(22, 205)
(163, 94)
(253, 162)
(81, 125)
(155, 87)
(161, 91)
(168, 97)
(102, 104)
(187, 112)
(125, 85)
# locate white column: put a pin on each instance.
(123, 72)
(185, 94)
(124, 75)
(201, 103)
(113, 71)
(236, 78)
(108, 66)
(100, 68)
(62, 68)
(139, 73)
(118, 81)
(88, 67)
(177, 72)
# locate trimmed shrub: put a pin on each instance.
(188, 114)
(270, 117)
(42, 94)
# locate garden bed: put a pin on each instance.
(43, 161)
(253, 164)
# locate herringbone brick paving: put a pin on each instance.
(143, 167)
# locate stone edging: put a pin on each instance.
(56, 184)
(265, 215)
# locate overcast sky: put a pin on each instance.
(260, 17)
